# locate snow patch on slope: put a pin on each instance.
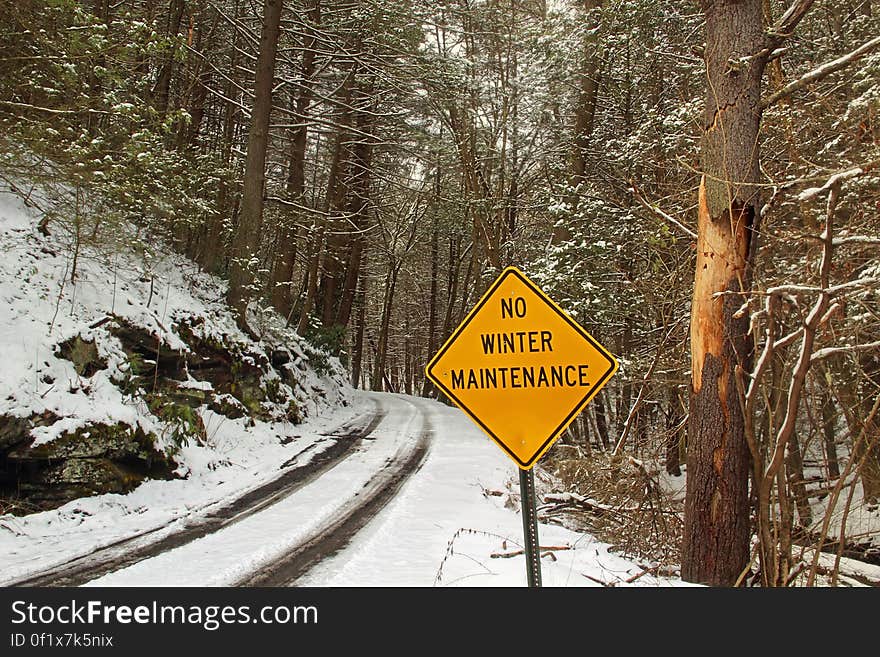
(153, 289)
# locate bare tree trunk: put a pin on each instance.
(358, 205)
(335, 196)
(868, 450)
(427, 386)
(226, 206)
(602, 421)
(162, 88)
(452, 282)
(829, 434)
(197, 93)
(282, 272)
(407, 357)
(247, 236)
(673, 433)
(337, 227)
(382, 349)
(715, 546)
(585, 112)
(357, 351)
(794, 466)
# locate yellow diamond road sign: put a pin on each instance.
(520, 367)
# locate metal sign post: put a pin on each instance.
(530, 527)
(522, 369)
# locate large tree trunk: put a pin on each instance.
(321, 255)
(162, 88)
(247, 235)
(715, 546)
(282, 272)
(357, 207)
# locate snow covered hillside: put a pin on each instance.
(134, 371)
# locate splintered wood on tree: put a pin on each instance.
(715, 546)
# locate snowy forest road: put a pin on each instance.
(339, 529)
(280, 536)
(421, 497)
(347, 439)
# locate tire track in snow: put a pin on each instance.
(133, 549)
(339, 530)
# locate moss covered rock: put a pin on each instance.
(83, 354)
(94, 459)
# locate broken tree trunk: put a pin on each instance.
(715, 546)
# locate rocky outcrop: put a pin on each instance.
(241, 382)
(97, 458)
(222, 375)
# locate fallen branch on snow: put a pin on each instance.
(544, 549)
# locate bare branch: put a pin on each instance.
(49, 110)
(857, 239)
(657, 211)
(804, 361)
(830, 183)
(830, 351)
(784, 27)
(822, 71)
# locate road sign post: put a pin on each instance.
(530, 527)
(522, 369)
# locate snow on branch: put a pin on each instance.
(833, 181)
(821, 72)
(857, 239)
(830, 351)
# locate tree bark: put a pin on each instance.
(829, 434)
(585, 114)
(673, 433)
(162, 88)
(794, 467)
(325, 264)
(715, 545)
(427, 386)
(285, 257)
(379, 378)
(357, 351)
(213, 244)
(868, 450)
(247, 235)
(601, 422)
(358, 205)
(320, 255)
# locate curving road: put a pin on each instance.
(341, 526)
(274, 534)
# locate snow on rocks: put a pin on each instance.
(129, 371)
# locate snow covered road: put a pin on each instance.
(421, 498)
(251, 549)
(143, 545)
